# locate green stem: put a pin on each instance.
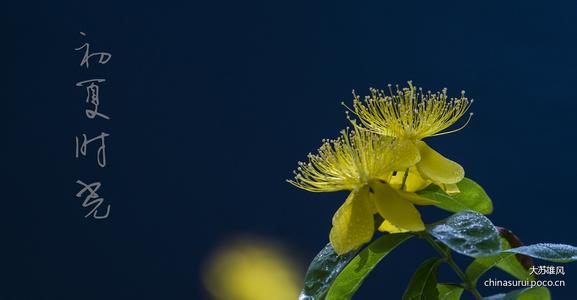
(468, 285)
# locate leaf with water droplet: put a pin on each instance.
(469, 233)
(507, 262)
(323, 269)
(549, 252)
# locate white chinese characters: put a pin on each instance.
(96, 144)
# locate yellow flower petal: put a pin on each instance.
(353, 223)
(406, 154)
(436, 167)
(451, 189)
(399, 211)
(386, 226)
(413, 183)
(416, 199)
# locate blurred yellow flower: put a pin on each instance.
(361, 161)
(252, 270)
(410, 115)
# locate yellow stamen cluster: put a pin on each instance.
(346, 163)
(409, 112)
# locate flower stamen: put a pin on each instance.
(409, 112)
(347, 162)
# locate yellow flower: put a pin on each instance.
(251, 270)
(410, 115)
(361, 161)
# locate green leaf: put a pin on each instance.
(471, 197)
(351, 277)
(507, 262)
(423, 284)
(449, 291)
(535, 293)
(469, 233)
(549, 252)
(323, 269)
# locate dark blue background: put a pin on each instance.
(212, 105)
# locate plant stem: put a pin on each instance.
(468, 285)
